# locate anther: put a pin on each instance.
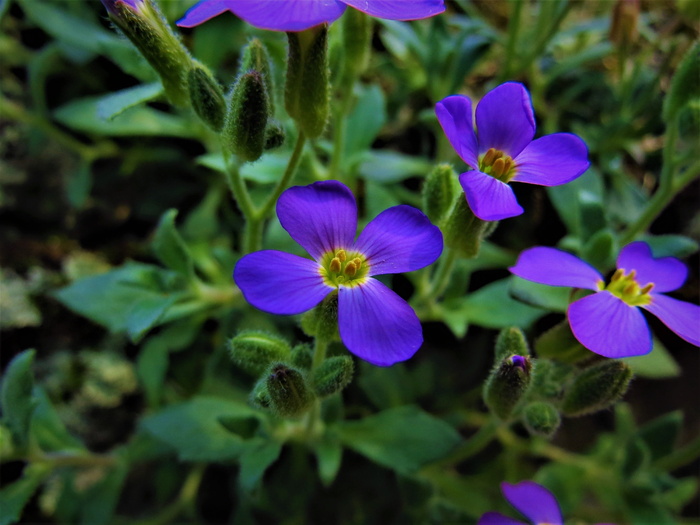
(647, 288)
(350, 269)
(357, 262)
(499, 167)
(509, 165)
(340, 254)
(335, 265)
(617, 275)
(631, 289)
(491, 155)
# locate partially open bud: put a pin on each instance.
(439, 192)
(506, 385)
(289, 394)
(206, 97)
(255, 57)
(541, 418)
(146, 27)
(464, 231)
(253, 350)
(597, 388)
(307, 90)
(356, 35)
(247, 116)
(334, 374)
(510, 341)
(322, 321)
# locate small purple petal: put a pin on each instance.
(533, 501)
(489, 198)
(496, 518)
(400, 239)
(681, 317)
(276, 15)
(321, 217)
(504, 119)
(455, 116)
(552, 160)
(667, 273)
(376, 324)
(608, 326)
(280, 283)
(398, 9)
(555, 268)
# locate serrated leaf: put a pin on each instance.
(116, 103)
(169, 246)
(259, 454)
(16, 396)
(403, 439)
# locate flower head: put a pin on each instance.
(502, 149)
(608, 322)
(374, 322)
(298, 15)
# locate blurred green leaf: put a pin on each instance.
(16, 396)
(578, 199)
(79, 184)
(257, 456)
(403, 438)
(390, 166)
(116, 103)
(555, 298)
(365, 120)
(15, 496)
(329, 455)
(657, 364)
(100, 500)
(47, 428)
(661, 434)
(684, 84)
(169, 246)
(266, 170)
(678, 246)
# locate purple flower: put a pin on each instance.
(297, 15)
(375, 324)
(502, 149)
(111, 5)
(533, 501)
(609, 322)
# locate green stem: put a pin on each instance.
(289, 172)
(313, 418)
(320, 347)
(339, 130)
(513, 28)
(474, 444)
(56, 460)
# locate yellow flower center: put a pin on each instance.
(625, 286)
(342, 268)
(497, 164)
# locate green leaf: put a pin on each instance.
(47, 428)
(258, 455)
(83, 115)
(266, 170)
(329, 455)
(684, 84)
(555, 298)
(145, 313)
(78, 185)
(403, 439)
(390, 166)
(572, 199)
(15, 496)
(678, 246)
(192, 428)
(16, 396)
(365, 120)
(661, 434)
(100, 500)
(169, 246)
(116, 103)
(657, 364)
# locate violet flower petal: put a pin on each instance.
(504, 119)
(376, 324)
(552, 160)
(275, 15)
(681, 317)
(398, 9)
(533, 501)
(489, 198)
(608, 326)
(667, 273)
(400, 239)
(496, 518)
(455, 116)
(556, 268)
(280, 283)
(321, 217)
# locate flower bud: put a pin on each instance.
(596, 388)
(302, 356)
(322, 321)
(506, 385)
(206, 97)
(289, 394)
(274, 136)
(307, 90)
(334, 374)
(356, 37)
(464, 231)
(255, 57)
(146, 27)
(439, 192)
(541, 418)
(510, 341)
(625, 18)
(247, 116)
(253, 351)
(260, 397)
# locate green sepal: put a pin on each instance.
(510, 341)
(255, 57)
(246, 119)
(464, 231)
(440, 190)
(684, 84)
(356, 42)
(206, 97)
(254, 350)
(307, 88)
(541, 418)
(596, 388)
(333, 375)
(506, 385)
(169, 246)
(288, 391)
(322, 321)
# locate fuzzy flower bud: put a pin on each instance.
(439, 192)
(253, 351)
(256, 58)
(289, 394)
(206, 97)
(506, 385)
(247, 116)
(541, 418)
(334, 374)
(464, 231)
(510, 341)
(356, 37)
(597, 388)
(322, 321)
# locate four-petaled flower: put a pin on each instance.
(502, 149)
(298, 15)
(609, 322)
(374, 322)
(532, 500)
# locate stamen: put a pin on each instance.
(350, 269)
(340, 254)
(491, 155)
(509, 165)
(647, 288)
(357, 262)
(335, 265)
(631, 289)
(499, 167)
(633, 274)
(617, 275)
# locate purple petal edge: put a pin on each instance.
(667, 273)
(556, 268)
(489, 198)
(552, 160)
(496, 518)
(533, 501)
(398, 9)
(681, 317)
